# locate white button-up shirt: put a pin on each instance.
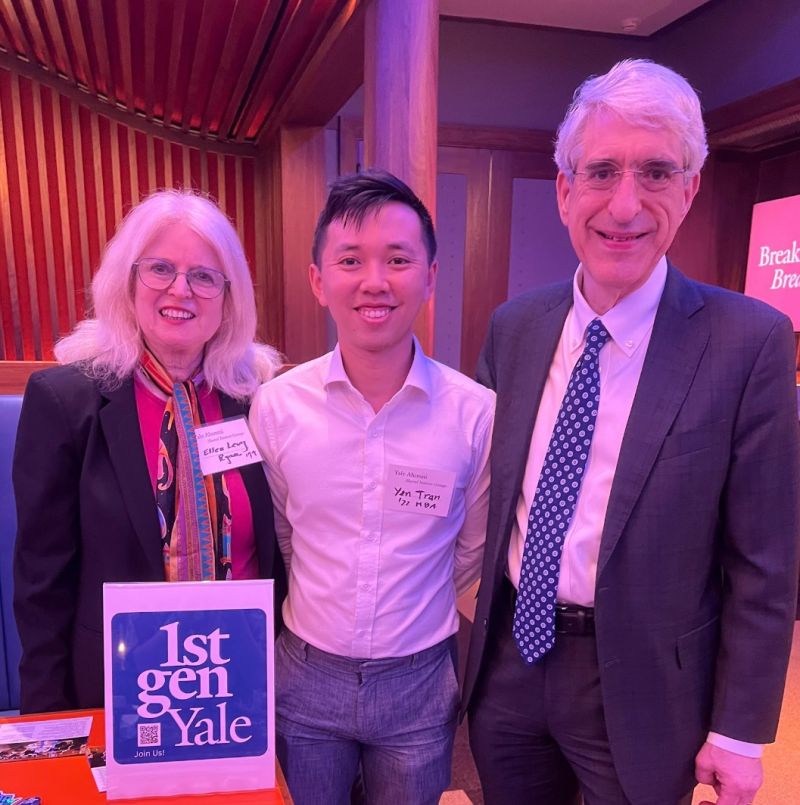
(630, 324)
(366, 580)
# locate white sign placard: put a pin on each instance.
(189, 687)
(226, 445)
(419, 490)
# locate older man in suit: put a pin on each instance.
(640, 577)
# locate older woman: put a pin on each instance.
(103, 473)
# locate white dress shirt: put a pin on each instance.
(630, 325)
(366, 580)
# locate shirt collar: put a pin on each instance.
(629, 321)
(419, 375)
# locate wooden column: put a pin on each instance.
(401, 63)
(294, 193)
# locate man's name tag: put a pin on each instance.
(419, 490)
(226, 445)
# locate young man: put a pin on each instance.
(640, 607)
(377, 461)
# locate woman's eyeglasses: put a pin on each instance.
(158, 274)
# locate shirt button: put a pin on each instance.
(365, 587)
(371, 485)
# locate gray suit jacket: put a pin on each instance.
(697, 578)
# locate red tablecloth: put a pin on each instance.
(68, 780)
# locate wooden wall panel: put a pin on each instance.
(269, 249)
(490, 173)
(9, 321)
(779, 174)
(67, 176)
(301, 189)
(14, 374)
(711, 244)
(16, 201)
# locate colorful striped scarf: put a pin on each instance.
(193, 510)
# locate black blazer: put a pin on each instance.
(86, 515)
(697, 576)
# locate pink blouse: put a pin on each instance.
(150, 408)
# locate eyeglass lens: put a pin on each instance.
(652, 176)
(160, 274)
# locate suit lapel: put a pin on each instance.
(520, 389)
(680, 336)
(119, 420)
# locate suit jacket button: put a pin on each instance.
(485, 624)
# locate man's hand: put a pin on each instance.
(735, 778)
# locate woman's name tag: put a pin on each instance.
(419, 490)
(226, 445)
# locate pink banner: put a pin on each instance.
(773, 260)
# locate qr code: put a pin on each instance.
(149, 734)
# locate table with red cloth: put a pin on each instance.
(69, 781)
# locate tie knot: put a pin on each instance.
(596, 336)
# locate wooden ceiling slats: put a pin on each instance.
(30, 22)
(214, 20)
(294, 49)
(333, 73)
(102, 70)
(187, 54)
(60, 52)
(6, 42)
(83, 68)
(263, 35)
(123, 19)
(149, 51)
(260, 95)
(16, 35)
(178, 20)
(211, 69)
(158, 31)
(229, 68)
(191, 29)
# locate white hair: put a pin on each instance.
(643, 94)
(108, 347)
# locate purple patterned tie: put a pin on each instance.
(554, 502)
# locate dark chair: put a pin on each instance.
(10, 650)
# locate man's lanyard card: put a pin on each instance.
(419, 490)
(226, 445)
(189, 687)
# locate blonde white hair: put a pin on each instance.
(108, 346)
(643, 94)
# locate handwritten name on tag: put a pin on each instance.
(419, 490)
(226, 445)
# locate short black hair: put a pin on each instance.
(352, 197)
